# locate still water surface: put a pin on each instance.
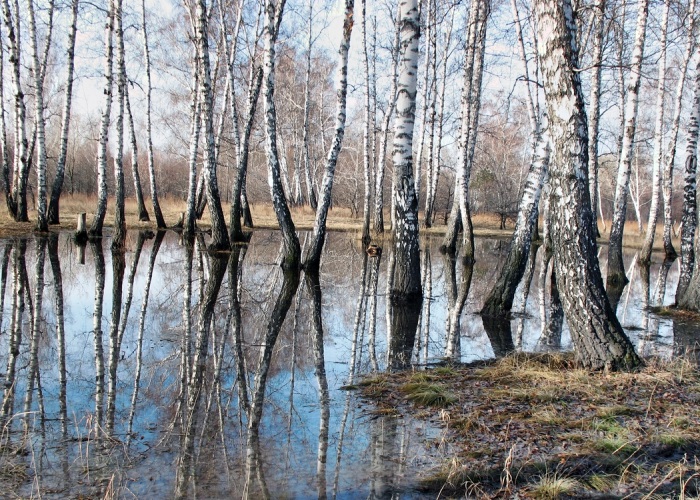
(165, 371)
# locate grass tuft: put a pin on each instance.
(551, 486)
(428, 394)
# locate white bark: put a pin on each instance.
(313, 256)
(616, 270)
(101, 210)
(645, 252)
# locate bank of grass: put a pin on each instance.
(339, 219)
(536, 426)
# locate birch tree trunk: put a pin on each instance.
(7, 187)
(675, 126)
(189, 222)
(42, 224)
(500, 301)
(689, 217)
(101, 210)
(471, 102)
(119, 235)
(310, 194)
(594, 107)
(140, 205)
(219, 233)
(157, 212)
(368, 123)
(292, 250)
(57, 188)
(313, 255)
(386, 122)
(18, 206)
(645, 252)
(598, 338)
(406, 293)
(616, 268)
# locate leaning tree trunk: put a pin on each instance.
(101, 210)
(292, 250)
(598, 338)
(141, 206)
(386, 123)
(616, 268)
(471, 102)
(313, 256)
(160, 221)
(189, 221)
(57, 189)
(500, 300)
(689, 218)
(647, 246)
(219, 233)
(406, 292)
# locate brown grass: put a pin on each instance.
(339, 219)
(558, 421)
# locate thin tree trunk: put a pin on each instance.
(160, 221)
(119, 235)
(647, 246)
(140, 205)
(386, 123)
(219, 234)
(42, 224)
(313, 256)
(292, 250)
(368, 123)
(57, 189)
(101, 210)
(616, 269)
(189, 223)
(594, 113)
(598, 338)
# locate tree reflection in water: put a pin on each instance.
(208, 389)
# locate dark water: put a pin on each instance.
(140, 390)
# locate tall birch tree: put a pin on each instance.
(406, 292)
(313, 256)
(101, 210)
(57, 187)
(292, 250)
(599, 341)
(616, 268)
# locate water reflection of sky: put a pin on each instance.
(376, 453)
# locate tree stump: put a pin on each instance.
(81, 235)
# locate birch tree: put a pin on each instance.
(689, 217)
(460, 215)
(645, 252)
(616, 268)
(313, 256)
(219, 233)
(599, 341)
(119, 235)
(57, 187)
(101, 210)
(157, 212)
(594, 107)
(500, 299)
(39, 122)
(292, 250)
(383, 139)
(406, 292)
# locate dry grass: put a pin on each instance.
(615, 433)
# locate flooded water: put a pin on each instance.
(168, 372)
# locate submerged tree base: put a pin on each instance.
(528, 423)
